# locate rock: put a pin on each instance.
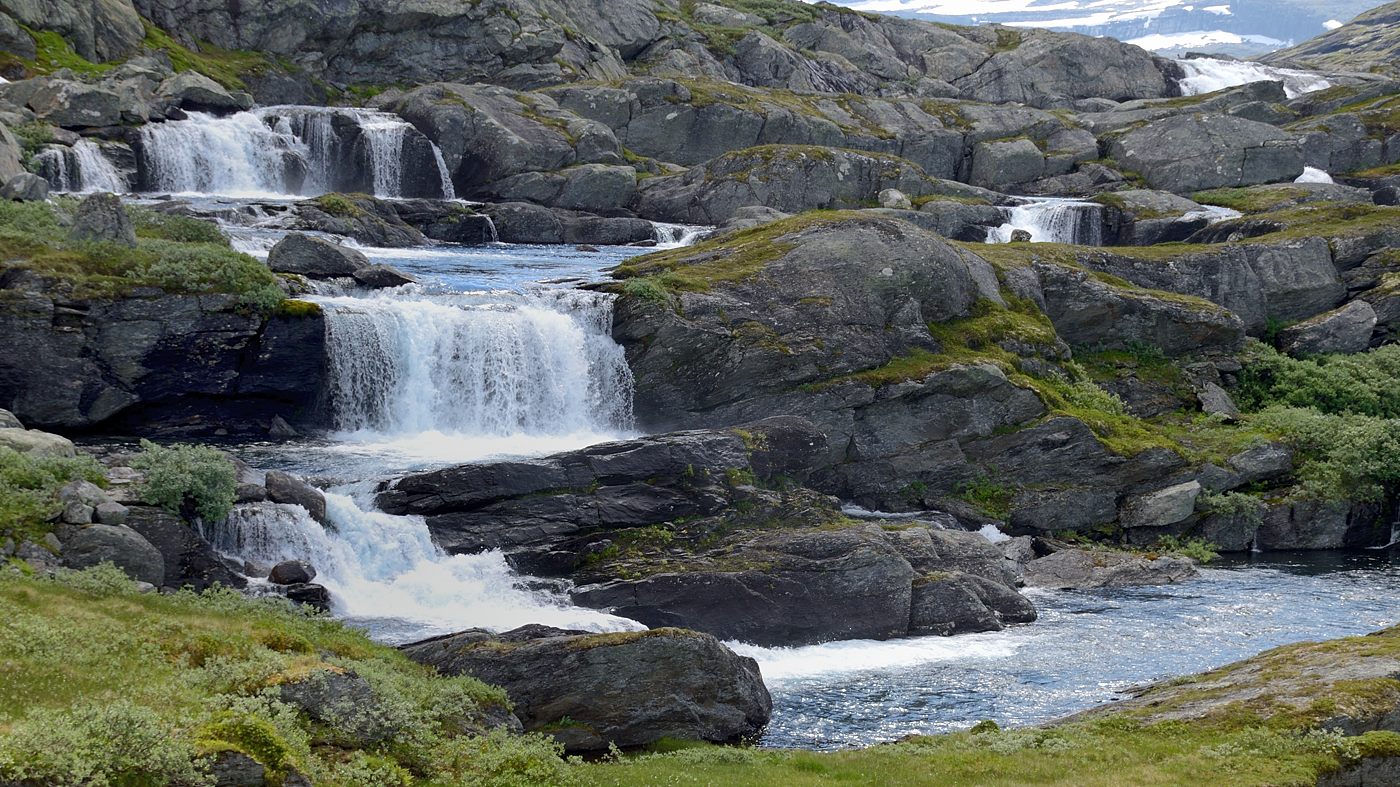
(783, 177)
(75, 512)
(351, 712)
(960, 603)
(1046, 70)
(382, 276)
(281, 430)
(315, 258)
(1193, 152)
(189, 560)
(198, 93)
(110, 514)
(520, 222)
(25, 188)
(999, 165)
(99, 32)
(285, 488)
(1160, 508)
(627, 689)
(586, 249)
(752, 216)
(1082, 568)
(9, 421)
(101, 217)
(36, 443)
(894, 199)
(1304, 525)
(292, 572)
(236, 769)
(75, 105)
(310, 595)
(1262, 463)
(1020, 236)
(1216, 401)
(11, 155)
(15, 40)
(122, 546)
(84, 492)
(1344, 330)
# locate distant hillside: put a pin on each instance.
(1371, 42)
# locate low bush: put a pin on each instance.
(1342, 457)
(1198, 549)
(29, 490)
(190, 480)
(1362, 384)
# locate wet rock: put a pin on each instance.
(628, 689)
(286, 488)
(195, 92)
(1160, 508)
(236, 769)
(101, 217)
(315, 258)
(956, 603)
(279, 429)
(1020, 236)
(189, 560)
(1083, 568)
(292, 572)
(310, 595)
(119, 545)
(382, 276)
(1344, 330)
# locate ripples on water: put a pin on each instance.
(1087, 647)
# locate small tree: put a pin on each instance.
(189, 480)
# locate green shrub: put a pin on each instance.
(1233, 505)
(991, 497)
(188, 479)
(1363, 384)
(168, 226)
(1198, 549)
(1343, 457)
(29, 489)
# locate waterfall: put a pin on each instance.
(673, 235)
(1051, 220)
(81, 168)
(445, 177)
(380, 567)
(506, 366)
(287, 150)
(1207, 75)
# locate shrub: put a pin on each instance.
(29, 489)
(191, 480)
(1363, 384)
(1233, 505)
(168, 226)
(1198, 549)
(1343, 457)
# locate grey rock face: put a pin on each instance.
(75, 105)
(99, 31)
(1079, 568)
(194, 91)
(121, 546)
(101, 217)
(626, 689)
(314, 258)
(789, 179)
(1004, 164)
(286, 488)
(1053, 69)
(25, 188)
(1189, 153)
(1162, 507)
(959, 603)
(1344, 330)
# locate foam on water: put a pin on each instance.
(1053, 220)
(781, 665)
(1208, 74)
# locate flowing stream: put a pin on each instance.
(1053, 220)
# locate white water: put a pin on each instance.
(1053, 220)
(453, 377)
(89, 171)
(1207, 75)
(1313, 175)
(782, 665)
(264, 151)
(675, 235)
(381, 567)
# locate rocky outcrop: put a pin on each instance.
(626, 689)
(1097, 568)
(785, 178)
(126, 363)
(1189, 153)
(315, 258)
(116, 544)
(98, 31)
(101, 218)
(189, 561)
(1344, 330)
(1367, 43)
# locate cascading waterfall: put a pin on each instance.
(385, 571)
(672, 235)
(503, 366)
(80, 168)
(1208, 74)
(284, 150)
(1053, 221)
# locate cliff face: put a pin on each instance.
(1369, 43)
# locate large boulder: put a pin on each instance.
(194, 91)
(314, 258)
(287, 488)
(957, 603)
(188, 559)
(37, 443)
(1096, 568)
(1045, 69)
(101, 217)
(11, 156)
(783, 177)
(25, 187)
(626, 689)
(1344, 330)
(1193, 152)
(118, 545)
(75, 105)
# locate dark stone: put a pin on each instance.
(292, 572)
(101, 217)
(345, 703)
(121, 546)
(627, 689)
(381, 276)
(315, 258)
(310, 594)
(285, 488)
(189, 560)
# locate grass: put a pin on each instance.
(174, 254)
(226, 66)
(1250, 200)
(105, 685)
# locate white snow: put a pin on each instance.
(1313, 175)
(1332, 24)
